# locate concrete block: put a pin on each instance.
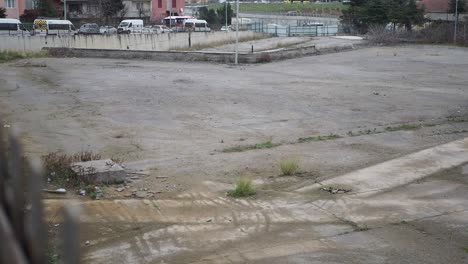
(99, 171)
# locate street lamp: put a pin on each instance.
(236, 60)
(65, 9)
(456, 23)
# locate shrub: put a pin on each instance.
(288, 166)
(243, 188)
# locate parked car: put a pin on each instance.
(224, 28)
(128, 26)
(107, 30)
(292, 13)
(53, 27)
(148, 30)
(9, 26)
(89, 28)
(161, 29)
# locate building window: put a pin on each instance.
(159, 3)
(174, 3)
(10, 3)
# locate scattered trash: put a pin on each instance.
(120, 189)
(6, 126)
(376, 93)
(209, 220)
(58, 191)
(335, 191)
(56, 225)
(87, 242)
(82, 192)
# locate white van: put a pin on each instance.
(10, 26)
(196, 25)
(53, 27)
(128, 26)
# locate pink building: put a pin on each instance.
(160, 8)
(14, 8)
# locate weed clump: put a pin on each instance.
(243, 188)
(289, 166)
(263, 145)
(6, 56)
(57, 167)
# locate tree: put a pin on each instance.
(29, 15)
(209, 15)
(111, 8)
(461, 6)
(364, 13)
(46, 8)
(2, 12)
(222, 14)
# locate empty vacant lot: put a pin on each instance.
(182, 120)
(203, 126)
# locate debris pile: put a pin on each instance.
(335, 190)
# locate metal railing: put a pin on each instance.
(291, 31)
(22, 230)
(289, 15)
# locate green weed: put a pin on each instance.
(243, 188)
(404, 127)
(319, 138)
(264, 145)
(289, 166)
(6, 56)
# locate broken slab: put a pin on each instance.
(99, 171)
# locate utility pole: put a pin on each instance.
(236, 60)
(456, 23)
(65, 9)
(225, 7)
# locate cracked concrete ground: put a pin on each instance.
(421, 222)
(175, 119)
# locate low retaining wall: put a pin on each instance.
(222, 57)
(166, 41)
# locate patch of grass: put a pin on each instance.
(289, 166)
(57, 167)
(241, 148)
(361, 228)
(319, 138)
(465, 249)
(222, 42)
(404, 127)
(243, 188)
(52, 256)
(6, 56)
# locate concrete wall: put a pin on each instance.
(222, 57)
(161, 42)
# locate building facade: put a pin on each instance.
(90, 11)
(161, 9)
(14, 8)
